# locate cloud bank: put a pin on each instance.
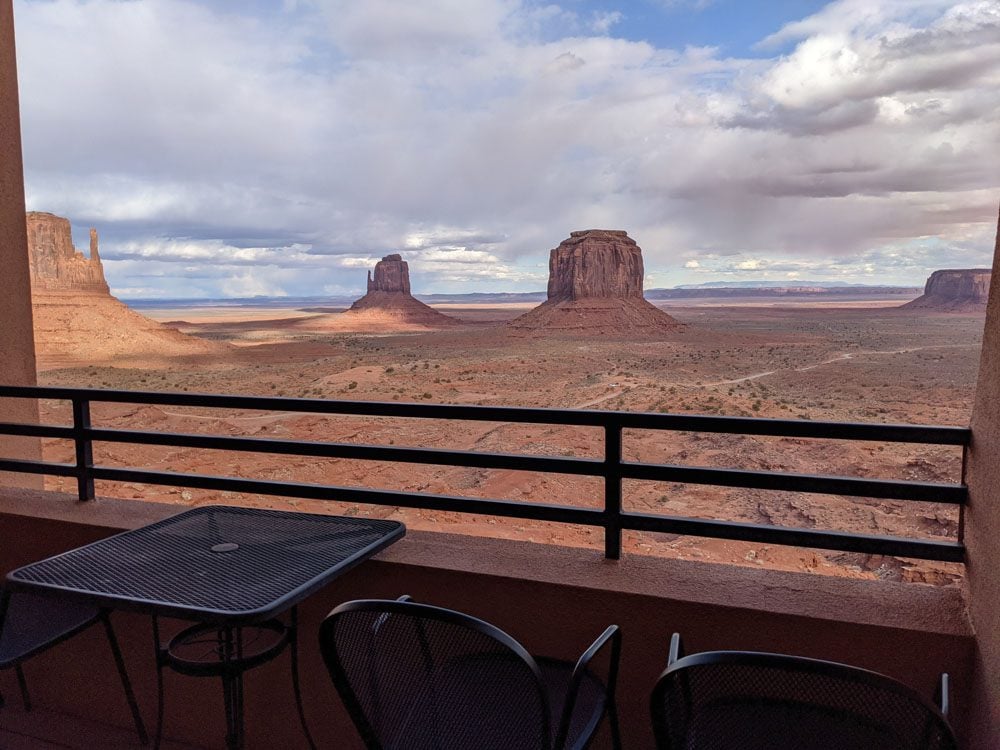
(232, 149)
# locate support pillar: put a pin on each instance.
(17, 345)
(982, 529)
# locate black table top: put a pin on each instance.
(213, 563)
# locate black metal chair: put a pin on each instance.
(420, 677)
(30, 624)
(721, 700)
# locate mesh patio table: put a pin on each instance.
(231, 569)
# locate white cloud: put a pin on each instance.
(309, 140)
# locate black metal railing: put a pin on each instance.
(611, 468)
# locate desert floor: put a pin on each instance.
(868, 363)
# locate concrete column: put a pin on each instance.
(982, 528)
(17, 345)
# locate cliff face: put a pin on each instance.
(76, 320)
(57, 266)
(392, 274)
(595, 289)
(596, 263)
(958, 290)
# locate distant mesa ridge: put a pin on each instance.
(595, 287)
(389, 296)
(956, 290)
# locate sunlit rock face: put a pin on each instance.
(389, 297)
(55, 264)
(76, 320)
(960, 290)
(595, 288)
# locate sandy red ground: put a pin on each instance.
(869, 364)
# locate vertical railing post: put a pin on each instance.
(612, 490)
(961, 508)
(84, 449)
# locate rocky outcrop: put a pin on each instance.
(389, 300)
(596, 263)
(76, 320)
(392, 274)
(955, 290)
(56, 265)
(595, 288)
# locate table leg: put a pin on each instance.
(231, 691)
(293, 644)
(160, 656)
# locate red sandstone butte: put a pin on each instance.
(75, 317)
(595, 288)
(955, 290)
(389, 297)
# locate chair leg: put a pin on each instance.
(616, 737)
(133, 706)
(23, 684)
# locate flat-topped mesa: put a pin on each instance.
(57, 266)
(389, 299)
(596, 263)
(956, 290)
(595, 289)
(392, 274)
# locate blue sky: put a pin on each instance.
(227, 148)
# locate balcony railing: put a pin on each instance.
(611, 468)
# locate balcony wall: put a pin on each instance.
(554, 600)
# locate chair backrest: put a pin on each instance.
(723, 699)
(416, 676)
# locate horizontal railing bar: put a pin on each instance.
(38, 467)
(435, 456)
(955, 494)
(506, 508)
(798, 428)
(902, 433)
(36, 430)
(833, 540)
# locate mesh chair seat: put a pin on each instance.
(590, 704)
(416, 677)
(30, 624)
(33, 623)
(753, 701)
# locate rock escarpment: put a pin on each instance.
(955, 290)
(56, 265)
(389, 298)
(76, 320)
(595, 288)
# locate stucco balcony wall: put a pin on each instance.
(554, 600)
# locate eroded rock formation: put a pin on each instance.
(595, 288)
(76, 320)
(956, 290)
(55, 264)
(392, 274)
(389, 298)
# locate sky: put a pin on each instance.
(234, 148)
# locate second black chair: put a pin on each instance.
(418, 677)
(719, 700)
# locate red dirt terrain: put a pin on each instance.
(873, 364)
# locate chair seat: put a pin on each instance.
(590, 700)
(33, 623)
(481, 725)
(763, 725)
